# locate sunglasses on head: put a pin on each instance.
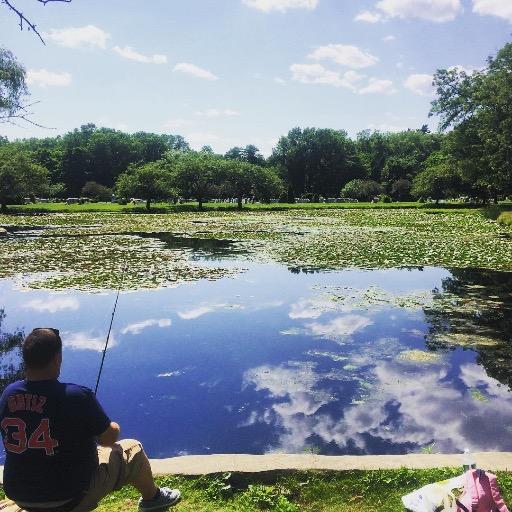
(55, 331)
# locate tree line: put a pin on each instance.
(471, 156)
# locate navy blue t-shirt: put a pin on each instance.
(48, 429)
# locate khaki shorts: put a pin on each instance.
(118, 466)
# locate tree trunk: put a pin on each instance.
(240, 203)
(3, 208)
(200, 201)
(148, 204)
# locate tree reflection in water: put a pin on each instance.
(11, 367)
(474, 310)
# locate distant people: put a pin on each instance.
(51, 432)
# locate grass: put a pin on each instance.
(505, 219)
(313, 491)
(193, 206)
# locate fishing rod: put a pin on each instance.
(110, 328)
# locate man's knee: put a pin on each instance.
(134, 459)
(130, 445)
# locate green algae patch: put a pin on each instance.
(374, 297)
(419, 356)
(479, 396)
(90, 250)
(465, 340)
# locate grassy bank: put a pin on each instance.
(193, 206)
(505, 219)
(350, 491)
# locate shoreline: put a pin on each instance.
(193, 465)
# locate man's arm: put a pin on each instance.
(110, 436)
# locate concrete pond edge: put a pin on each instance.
(193, 465)
(208, 464)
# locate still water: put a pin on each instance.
(282, 360)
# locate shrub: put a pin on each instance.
(505, 218)
(401, 190)
(363, 190)
(384, 198)
(96, 191)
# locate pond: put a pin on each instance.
(277, 358)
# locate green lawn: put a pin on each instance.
(349, 491)
(505, 218)
(193, 206)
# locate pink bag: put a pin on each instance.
(481, 493)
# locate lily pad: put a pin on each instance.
(419, 356)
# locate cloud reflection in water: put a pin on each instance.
(405, 409)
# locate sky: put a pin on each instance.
(229, 73)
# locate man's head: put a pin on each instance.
(42, 353)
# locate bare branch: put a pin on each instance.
(23, 115)
(23, 20)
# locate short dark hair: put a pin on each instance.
(40, 347)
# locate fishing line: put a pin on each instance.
(110, 328)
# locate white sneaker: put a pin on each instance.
(167, 498)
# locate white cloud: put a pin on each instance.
(214, 112)
(192, 314)
(388, 39)
(376, 86)
(45, 78)
(138, 327)
(296, 397)
(79, 37)
(53, 304)
(340, 327)
(369, 17)
(469, 70)
(433, 10)
(317, 74)
(129, 53)
(279, 81)
(192, 69)
(420, 84)
(499, 8)
(87, 341)
(281, 5)
(345, 55)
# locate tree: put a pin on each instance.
(250, 154)
(150, 181)
(267, 183)
(19, 177)
(11, 368)
(401, 190)
(389, 157)
(195, 174)
(362, 190)
(13, 88)
(477, 107)
(438, 181)
(316, 160)
(96, 191)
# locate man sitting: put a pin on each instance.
(50, 432)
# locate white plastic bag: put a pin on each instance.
(430, 497)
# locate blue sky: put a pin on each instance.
(234, 72)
